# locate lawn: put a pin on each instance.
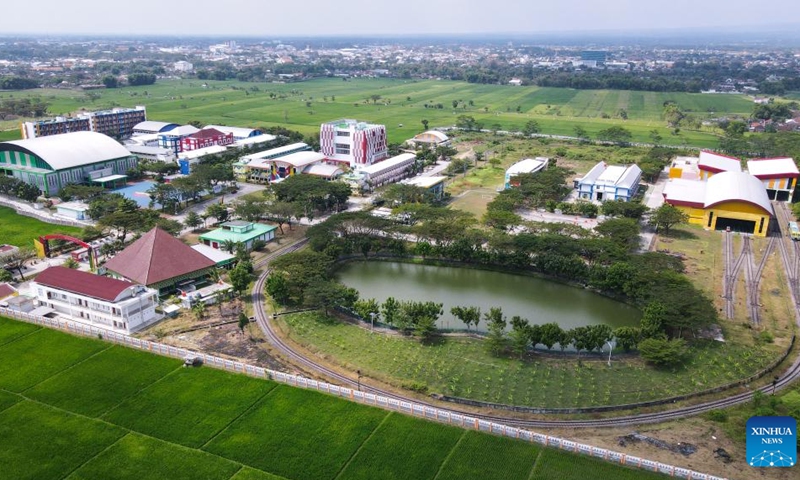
(185, 410)
(462, 367)
(202, 423)
(20, 230)
(402, 105)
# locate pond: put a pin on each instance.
(539, 300)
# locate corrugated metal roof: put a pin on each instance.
(737, 186)
(69, 150)
(770, 167)
(715, 162)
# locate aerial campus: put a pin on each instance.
(519, 256)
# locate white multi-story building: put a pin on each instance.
(609, 182)
(354, 142)
(183, 66)
(390, 170)
(95, 300)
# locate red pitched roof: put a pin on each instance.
(82, 283)
(156, 257)
(6, 290)
(207, 133)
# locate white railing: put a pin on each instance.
(414, 409)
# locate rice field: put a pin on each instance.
(403, 104)
(199, 423)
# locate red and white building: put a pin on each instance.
(207, 137)
(779, 176)
(711, 163)
(354, 142)
(95, 300)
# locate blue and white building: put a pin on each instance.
(609, 182)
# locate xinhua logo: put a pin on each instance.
(771, 442)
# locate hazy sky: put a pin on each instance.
(368, 17)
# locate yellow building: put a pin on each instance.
(727, 200)
(779, 176)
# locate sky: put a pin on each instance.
(304, 18)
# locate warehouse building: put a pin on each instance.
(779, 176)
(239, 133)
(151, 127)
(430, 138)
(52, 162)
(728, 200)
(271, 169)
(529, 165)
(710, 164)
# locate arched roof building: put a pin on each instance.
(54, 161)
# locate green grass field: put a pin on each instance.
(20, 230)
(462, 367)
(203, 423)
(402, 102)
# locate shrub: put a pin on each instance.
(663, 352)
(718, 416)
(259, 245)
(766, 337)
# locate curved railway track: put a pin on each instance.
(309, 364)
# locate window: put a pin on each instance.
(342, 133)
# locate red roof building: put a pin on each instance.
(6, 290)
(159, 260)
(83, 283)
(207, 137)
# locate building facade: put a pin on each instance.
(242, 169)
(207, 137)
(52, 162)
(354, 142)
(98, 301)
(116, 123)
(779, 176)
(172, 139)
(609, 182)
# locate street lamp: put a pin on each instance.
(358, 382)
(372, 316)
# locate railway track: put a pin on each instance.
(263, 319)
(732, 268)
(753, 274)
(791, 262)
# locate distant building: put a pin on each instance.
(242, 169)
(54, 161)
(728, 200)
(187, 159)
(116, 123)
(433, 185)
(152, 154)
(354, 142)
(152, 127)
(74, 210)
(238, 232)
(183, 66)
(529, 165)
(267, 170)
(207, 137)
(779, 176)
(238, 133)
(387, 171)
(96, 300)
(430, 138)
(516, 82)
(609, 182)
(172, 138)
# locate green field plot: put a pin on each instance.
(557, 465)
(191, 407)
(303, 106)
(53, 351)
(251, 474)
(8, 399)
(20, 230)
(41, 443)
(141, 458)
(103, 381)
(298, 434)
(403, 448)
(489, 458)
(11, 330)
(462, 367)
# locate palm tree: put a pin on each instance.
(199, 310)
(229, 246)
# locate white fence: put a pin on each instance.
(414, 409)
